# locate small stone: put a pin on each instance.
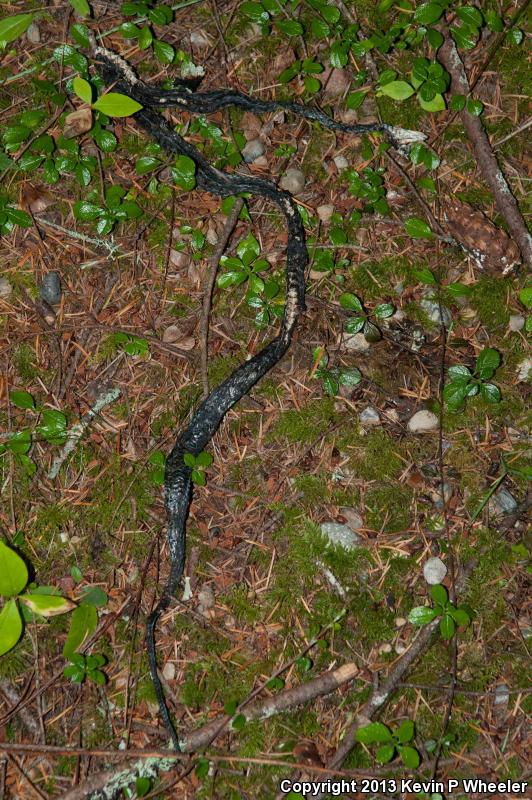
(385, 648)
(356, 342)
(337, 533)
(400, 622)
(438, 315)
(423, 421)
(50, 290)
(211, 235)
(516, 322)
(447, 494)
(33, 34)
(199, 38)
(353, 518)
(341, 162)
(292, 181)
(325, 213)
(261, 162)
(206, 599)
(369, 416)
(400, 648)
(179, 259)
(172, 334)
(337, 82)
(169, 671)
(5, 287)
(253, 150)
(523, 370)
(502, 695)
(434, 571)
(503, 502)
(229, 622)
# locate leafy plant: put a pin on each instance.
(51, 426)
(156, 473)
(525, 296)
(198, 465)
(361, 321)
(392, 742)
(131, 344)
(11, 216)
(38, 600)
(119, 207)
(82, 667)
(451, 616)
(336, 377)
(247, 267)
(368, 186)
(463, 383)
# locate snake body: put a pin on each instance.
(209, 415)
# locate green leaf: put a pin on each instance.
(115, 104)
(436, 104)
(515, 36)
(350, 377)
(410, 757)
(184, 173)
(465, 37)
(525, 296)
(355, 99)
(164, 51)
(19, 444)
(421, 615)
(397, 90)
(487, 362)
(383, 311)
(418, 228)
(80, 34)
(290, 27)
(338, 55)
(47, 605)
(86, 212)
(142, 786)
(475, 107)
(490, 393)
(458, 372)
(355, 324)
(471, 16)
(434, 37)
(202, 764)
(460, 616)
(76, 574)
(145, 164)
(82, 625)
(385, 753)
(330, 384)
(373, 733)
(13, 27)
(455, 393)
(93, 596)
(425, 275)
(18, 217)
(458, 102)
(13, 572)
(145, 38)
(350, 302)
(10, 626)
(494, 22)
(204, 459)
(97, 676)
(189, 459)
(319, 28)
(81, 7)
(447, 626)
(427, 13)
(439, 594)
(75, 673)
(312, 85)
(83, 89)
(22, 399)
(254, 11)
(405, 732)
(248, 249)
(53, 426)
(371, 332)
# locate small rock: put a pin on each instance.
(206, 599)
(261, 162)
(172, 334)
(423, 421)
(199, 38)
(400, 622)
(211, 235)
(516, 322)
(229, 622)
(179, 259)
(400, 648)
(50, 290)
(447, 494)
(5, 287)
(253, 150)
(325, 213)
(356, 342)
(502, 695)
(169, 671)
(434, 571)
(337, 533)
(292, 181)
(523, 370)
(33, 34)
(438, 315)
(352, 518)
(385, 648)
(341, 162)
(369, 416)
(503, 502)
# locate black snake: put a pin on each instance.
(210, 414)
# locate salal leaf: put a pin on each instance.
(82, 625)
(421, 615)
(13, 27)
(397, 90)
(487, 362)
(47, 605)
(115, 104)
(375, 732)
(13, 572)
(10, 626)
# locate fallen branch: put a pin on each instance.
(107, 783)
(506, 203)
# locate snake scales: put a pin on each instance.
(209, 415)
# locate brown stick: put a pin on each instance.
(492, 173)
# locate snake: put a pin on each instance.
(116, 72)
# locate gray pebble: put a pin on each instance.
(293, 181)
(325, 213)
(516, 322)
(423, 421)
(33, 34)
(337, 533)
(503, 502)
(438, 315)
(341, 162)
(50, 290)
(253, 150)
(5, 287)
(369, 416)
(434, 571)
(356, 342)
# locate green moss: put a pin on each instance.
(388, 508)
(24, 362)
(304, 425)
(375, 456)
(490, 300)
